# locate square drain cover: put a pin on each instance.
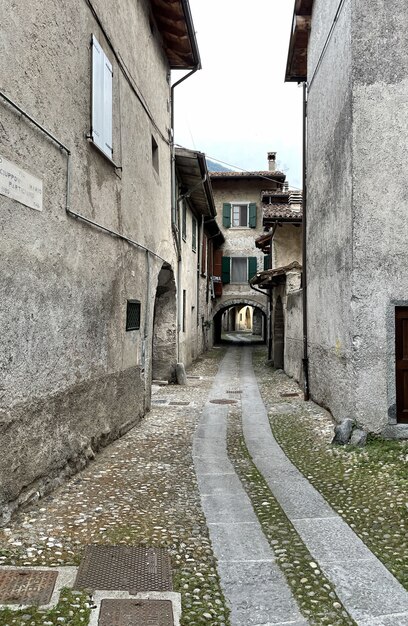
(136, 613)
(119, 568)
(23, 586)
(179, 403)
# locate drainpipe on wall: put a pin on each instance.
(305, 360)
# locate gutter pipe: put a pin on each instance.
(305, 360)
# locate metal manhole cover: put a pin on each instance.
(136, 613)
(179, 403)
(223, 401)
(24, 586)
(121, 568)
(289, 394)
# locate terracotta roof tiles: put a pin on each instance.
(283, 211)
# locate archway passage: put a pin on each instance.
(164, 353)
(240, 323)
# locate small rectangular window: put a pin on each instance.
(155, 154)
(133, 315)
(101, 131)
(194, 234)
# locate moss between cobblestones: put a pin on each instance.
(141, 490)
(367, 486)
(315, 595)
(72, 610)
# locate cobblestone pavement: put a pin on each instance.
(142, 490)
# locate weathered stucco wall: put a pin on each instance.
(380, 205)
(294, 335)
(287, 245)
(357, 251)
(71, 377)
(329, 229)
(189, 336)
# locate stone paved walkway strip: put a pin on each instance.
(366, 588)
(255, 587)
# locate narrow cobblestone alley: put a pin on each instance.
(202, 478)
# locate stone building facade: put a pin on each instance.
(281, 243)
(88, 282)
(357, 257)
(238, 200)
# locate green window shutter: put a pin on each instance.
(252, 215)
(226, 215)
(194, 235)
(184, 221)
(252, 267)
(226, 271)
(267, 262)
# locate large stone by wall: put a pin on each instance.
(72, 377)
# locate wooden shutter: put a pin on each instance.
(252, 215)
(194, 235)
(252, 266)
(101, 131)
(401, 362)
(204, 256)
(267, 262)
(226, 270)
(184, 221)
(226, 215)
(217, 264)
(107, 107)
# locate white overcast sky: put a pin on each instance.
(238, 107)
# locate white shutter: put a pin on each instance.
(101, 99)
(107, 107)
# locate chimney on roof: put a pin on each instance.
(272, 161)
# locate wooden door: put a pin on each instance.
(401, 360)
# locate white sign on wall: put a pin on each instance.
(19, 185)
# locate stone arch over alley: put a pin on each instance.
(240, 314)
(164, 344)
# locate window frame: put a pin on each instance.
(239, 204)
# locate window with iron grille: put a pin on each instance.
(133, 315)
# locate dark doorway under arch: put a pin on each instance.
(164, 349)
